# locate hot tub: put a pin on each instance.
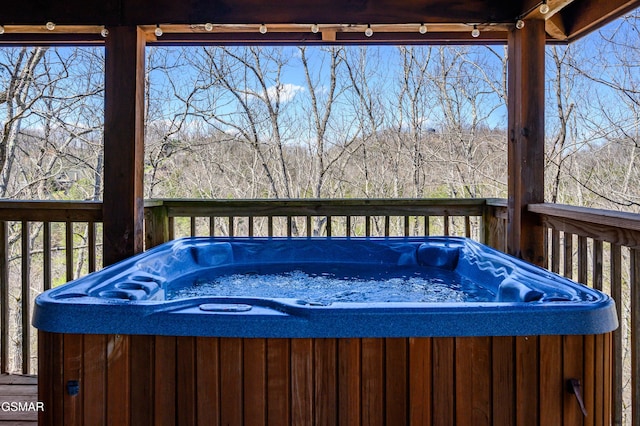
(161, 337)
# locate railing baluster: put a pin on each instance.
(91, 249)
(618, 348)
(69, 250)
(367, 226)
(26, 298)
(446, 224)
(467, 227)
(232, 231)
(329, 233)
(427, 226)
(406, 226)
(555, 251)
(597, 265)
(172, 231)
(582, 259)
(46, 256)
(634, 283)
(4, 297)
(192, 226)
(347, 231)
(568, 255)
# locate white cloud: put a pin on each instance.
(287, 92)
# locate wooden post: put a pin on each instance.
(123, 207)
(525, 234)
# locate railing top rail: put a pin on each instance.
(619, 228)
(322, 207)
(623, 220)
(51, 211)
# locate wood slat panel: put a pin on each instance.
(573, 358)
(527, 375)
(420, 379)
(349, 380)
(118, 380)
(503, 371)
(326, 382)
(372, 391)
(443, 381)
(302, 382)
(231, 382)
(552, 387)
(255, 381)
(278, 380)
(208, 380)
(396, 380)
(94, 380)
(142, 359)
(473, 381)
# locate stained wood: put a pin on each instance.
(466, 380)
(123, 203)
(443, 381)
(372, 381)
(208, 380)
(325, 382)
(605, 225)
(473, 381)
(420, 379)
(94, 379)
(503, 378)
(72, 364)
(527, 380)
(231, 383)
(573, 358)
(118, 380)
(255, 381)
(526, 84)
(4, 298)
(25, 299)
(278, 380)
(349, 380)
(302, 381)
(142, 368)
(396, 379)
(552, 387)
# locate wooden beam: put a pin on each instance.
(525, 235)
(151, 12)
(123, 204)
(582, 17)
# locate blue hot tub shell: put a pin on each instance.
(129, 297)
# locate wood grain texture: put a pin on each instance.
(398, 381)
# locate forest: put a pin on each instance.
(327, 122)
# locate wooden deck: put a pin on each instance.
(18, 389)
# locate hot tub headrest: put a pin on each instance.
(438, 256)
(511, 290)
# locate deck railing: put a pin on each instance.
(43, 244)
(601, 248)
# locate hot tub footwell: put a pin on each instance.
(138, 379)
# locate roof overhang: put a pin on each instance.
(290, 21)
